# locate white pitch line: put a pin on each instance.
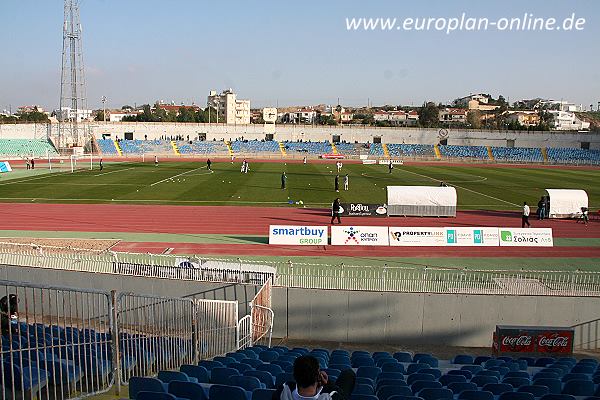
(461, 187)
(48, 175)
(146, 200)
(175, 176)
(112, 172)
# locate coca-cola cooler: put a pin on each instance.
(533, 340)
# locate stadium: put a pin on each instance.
(155, 253)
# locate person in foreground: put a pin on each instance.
(313, 384)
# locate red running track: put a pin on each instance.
(237, 220)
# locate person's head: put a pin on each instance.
(306, 371)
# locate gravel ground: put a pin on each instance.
(77, 246)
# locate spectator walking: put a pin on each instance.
(584, 215)
(525, 216)
(283, 180)
(335, 211)
(346, 182)
(541, 208)
(208, 163)
(313, 384)
(336, 183)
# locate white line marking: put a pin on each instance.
(112, 172)
(47, 175)
(175, 176)
(147, 200)
(83, 184)
(481, 178)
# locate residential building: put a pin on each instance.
(29, 109)
(346, 116)
(453, 115)
(567, 121)
(230, 110)
(118, 115)
(68, 114)
(525, 118)
(463, 102)
(397, 117)
(560, 105)
(477, 105)
(176, 109)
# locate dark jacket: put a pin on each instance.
(335, 208)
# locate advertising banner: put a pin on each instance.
(364, 210)
(406, 236)
(462, 236)
(5, 166)
(533, 339)
(298, 235)
(359, 236)
(535, 237)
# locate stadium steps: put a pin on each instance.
(436, 149)
(490, 153)
(334, 149)
(282, 149)
(175, 148)
(228, 144)
(386, 151)
(544, 154)
(118, 147)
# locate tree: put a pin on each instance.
(474, 119)
(99, 115)
(429, 115)
(126, 107)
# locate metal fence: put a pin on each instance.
(438, 280)
(144, 265)
(60, 342)
(262, 315)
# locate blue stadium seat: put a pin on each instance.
(363, 397)
(436, 394)
(497, 388)
(517, 381)
(194, 371)
(472, 368)
(494, 362)
(268, 356)
(465, 373)
(393, 367)
(224, 360)
(487, 372)
(210, 364)
(138, 384)
(558, 397)
(332, 373)
(384, 393)
(544, 361)
(187, 390)
(475, 395)
(578, 387)
(146, 395)
(224, 392)
(481, 380)
(481, 359)
(273, 369)
(240, 367)
(433, 371)
(280, 379)
(516, 396)
(536, 390)
(573, 375)
(417, 386)
(263, 376)
(168, 376)
(251, 362)
(390, 375)
(364, 380)
(363, 361)
(237, 356)
(419, 377)
(412, 368)
(517, 374)
(398, 397)
(446, 379)
(503, 370)
(462, 359)
(403, 356)
(221, 375)
(262, 394)
(541, 374)
(248, 383)
(583, 369)
(554, 385)
(459, 387)
(369, 372)
(362, 389)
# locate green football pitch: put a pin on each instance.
(190, 183)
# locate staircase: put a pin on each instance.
(118, 147)
(490, 152)
(544, 154)
(282, 149)
(228, 144)
(175, 148)
(436, 149)
(334, 149)
(386, 152)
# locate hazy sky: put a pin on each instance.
(292, 53)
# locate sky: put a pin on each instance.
(278, 53)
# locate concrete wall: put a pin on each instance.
(413, 318)
(362, 317)
(319, 133)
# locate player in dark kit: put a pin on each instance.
(336, 183)
(335, 211)
(208, 163)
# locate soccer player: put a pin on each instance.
(156, 161)
(390, 166)
(525, 216)
(283, 180)
(101, 165)
(208, 163)
(336, 183)
(346, 181)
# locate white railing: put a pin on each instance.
(262, 315)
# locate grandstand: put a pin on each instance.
(317, 148)
(255, 146)
(477, 152)
(107, 147)
(410, 150)
(146, 146)
(202, 147)
(561, 155)
(517, 154)
(26, 148)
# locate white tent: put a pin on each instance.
(566, 203)
(430, 201)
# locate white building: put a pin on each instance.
(464, 101)
(67, 114)
(567, 121)
(453, 115)
(560, 105)
(230, 110)
(118, 116)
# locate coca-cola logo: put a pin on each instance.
(517, 341)
(557, 341)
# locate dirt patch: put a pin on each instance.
(54, 246)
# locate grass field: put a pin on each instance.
(191, 183)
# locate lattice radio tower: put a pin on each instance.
(72, 126)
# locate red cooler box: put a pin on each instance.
(533, 340)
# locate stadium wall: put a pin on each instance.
(361, 317)
(318, 133)
(416, 318)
